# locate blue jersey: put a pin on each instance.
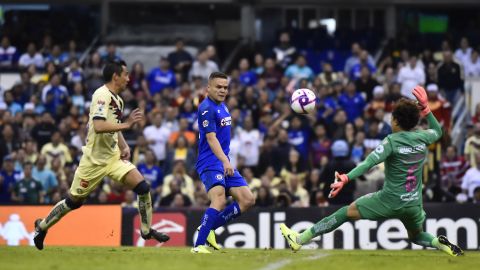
(212, 117)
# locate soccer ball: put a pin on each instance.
(303, 101)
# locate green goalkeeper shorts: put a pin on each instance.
(371, 207)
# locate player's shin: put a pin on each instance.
(58, 211)
(230, 212)
(325, 225)
(426, 240)
(145, 211)
(208, 221)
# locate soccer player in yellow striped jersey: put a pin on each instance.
(105, 154)
(403, 153)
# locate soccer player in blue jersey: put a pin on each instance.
(213, 165)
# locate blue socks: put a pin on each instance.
(207, 223)
(230, 212)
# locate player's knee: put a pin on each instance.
(247, 202)
(142, 188)
(73, 203)
(219, 201)
(352, 212)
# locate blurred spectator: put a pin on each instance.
(152, 173)
(157, 137)
(378, 102)
(327, 76)
(372, 137)
(56, 56)
(320, 147)
(352, 102)
(46, 177)
(31, 57)
(174, 191)
(73, 73)
(9, 140)
(93, 73)
(336, 129)
(452, 170)
(354, 59)
(476, 116)
(366, 84)
(110, 54)
(202, 67)
(358, 149)
(55, 96)
(250, 140)
(180, 151)
(472, 146)
(264, 197)
(180, 176)
(253, 183)
(450, 79)
(363, 62)
(56, 149)
(161, 77)
(130, 201)
(258, 64)
(284, 52)
(8, 178)
(341, 164)
(295, 166)
(463, 53)
(140, 149)
(138, 83)
(326, 104)
(299, 70)
(471, 179)
(271, 75)
(439, 107)
(472, 65)
(301, 196)
(247, 76)
(28, 190)
(12, 105)
(212, 54)
(410, 76)
(180, 59)
(183, 132)
(285, 197)
(8, 54)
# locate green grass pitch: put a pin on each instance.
(92, 258)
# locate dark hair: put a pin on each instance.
(216, 74)
(406, 113)
(114, 67)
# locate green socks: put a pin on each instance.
(426, 240)
(325, 225)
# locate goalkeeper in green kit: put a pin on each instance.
(404, 152)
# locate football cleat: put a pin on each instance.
(200, 249)
(291, 237)
(449, 248)
(39, 235)
(211, 240)
(160, 237)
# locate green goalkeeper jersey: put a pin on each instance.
(404, 154)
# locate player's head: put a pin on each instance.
(405, 116)
(116, 73)
(217, 86)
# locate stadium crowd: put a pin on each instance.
(288, 160)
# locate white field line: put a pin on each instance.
(281, 263)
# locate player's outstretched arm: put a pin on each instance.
(422, 98)
(102, 126)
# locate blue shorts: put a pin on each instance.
(215, 177)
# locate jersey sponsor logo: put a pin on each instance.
(227, 121)
(407, 197)
(411, 149)
(205, 123)
(204, 112)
